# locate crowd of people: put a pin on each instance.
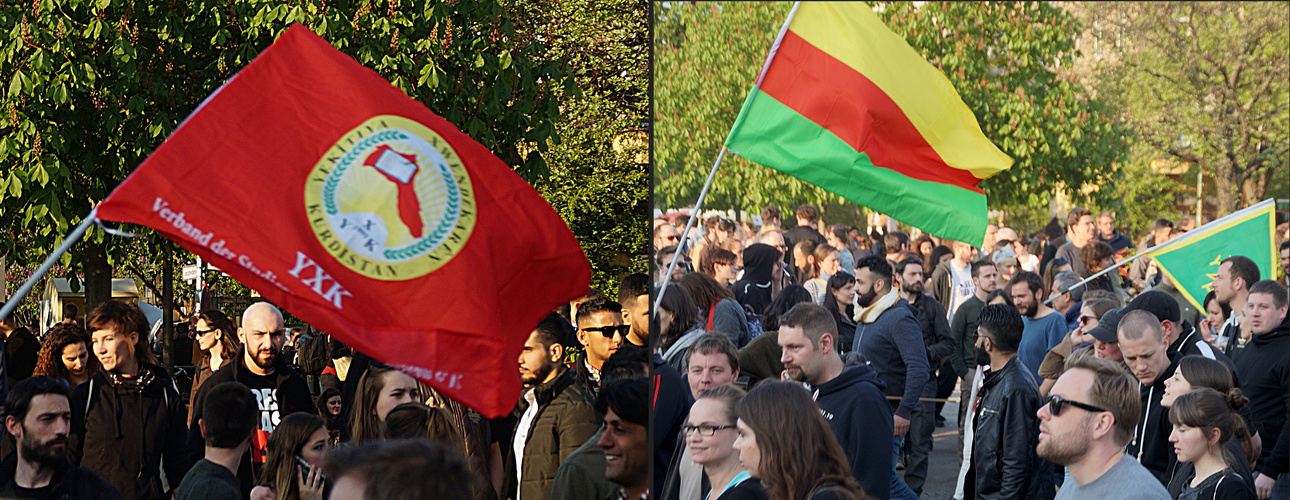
(810, 352)
(289, 414)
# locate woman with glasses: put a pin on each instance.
(785, 442)
(710, 432)
(216, 337)
(1090, 313)
(66, 355)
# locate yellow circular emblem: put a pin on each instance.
(391, 200)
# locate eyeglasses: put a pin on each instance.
(704, 430)
(609, 331)
(192, 334)
(671, 237)
(1084, 320)
(1055, 405)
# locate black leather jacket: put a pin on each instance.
(1007, 431)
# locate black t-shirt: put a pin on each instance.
(33, 493)
(264, 388)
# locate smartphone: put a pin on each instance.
(307, 467)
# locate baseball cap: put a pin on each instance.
(1105, 331)
(1158, 303)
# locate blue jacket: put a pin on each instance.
(893, 344)
(853, 404)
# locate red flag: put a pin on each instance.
(312, 180)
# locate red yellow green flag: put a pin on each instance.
(845, 104)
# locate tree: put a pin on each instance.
(598, 181)
(1003, 58)
(1203, 82)
(96, 85)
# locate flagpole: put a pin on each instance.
(26, 287)
(1193, 234)
(694, 215)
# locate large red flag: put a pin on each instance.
(312, 180)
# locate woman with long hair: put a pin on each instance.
(679, 325)
(66, 355)
(717, 307)
(760, 358)
(329, 408)
(824, 264)
(923, 246)
(418, 421)
(380, 389)
(1195, 372)
(841, 302)
(299, 436)
(785, 442)
(216, 337)
(710, 433)
(940, 254)
(999, 296)
(1204, 422)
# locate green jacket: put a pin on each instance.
(582, 475)
(565, 419)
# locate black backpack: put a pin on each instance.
(311, 358)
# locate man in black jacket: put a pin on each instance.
(128, 419)
(1143, 345)
(39, 419)
(939, 344)
(805, 230)
(850, 396)
(278, 390)
(1264, 368)
(1004, 462)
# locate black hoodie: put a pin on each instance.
(1150, 444)
(759, 267)
(1264, 370)
(856, 408)
(279, 394)
(121, 436)
(69, 482)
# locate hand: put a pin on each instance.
(310, 484)
(1077, 336)
(263, 492)
(902, 425)
(1206, 330)
(1263, 486)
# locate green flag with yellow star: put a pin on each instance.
(1192, 260)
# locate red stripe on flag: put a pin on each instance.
(846, 103)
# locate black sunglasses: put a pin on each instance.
(1055, 405)
(194, 333)
(609, 331)
(1061, 261)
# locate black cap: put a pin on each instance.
(1158, 303)
(1105, 331)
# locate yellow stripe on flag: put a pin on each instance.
(854, 35)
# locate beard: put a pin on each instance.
(263, 363)
(45, 453)
(1063, 450)
(912, 287)
(535, 377)
(866, 298)
(982, 357)
(1028, 310)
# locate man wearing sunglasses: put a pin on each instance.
(601, 332)
(1004, 463)
(1089, 416)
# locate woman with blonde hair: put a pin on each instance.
(710, 432)
(65, 354)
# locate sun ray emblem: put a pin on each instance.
(391, 200)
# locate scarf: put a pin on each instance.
(135, 384)
(879, 306)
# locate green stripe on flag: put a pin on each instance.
(1192, 264)
(771, 134)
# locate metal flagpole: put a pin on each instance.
(1190, 235)
(667, 277)
(26, 287)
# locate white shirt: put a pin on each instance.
(961, 287)
(522, 433)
